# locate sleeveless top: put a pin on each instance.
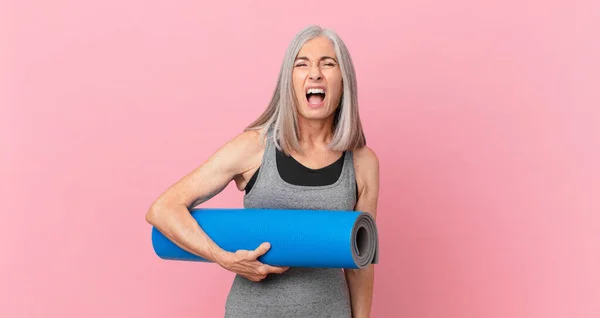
(293, 172)
(298, 292)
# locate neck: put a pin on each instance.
(314, 133)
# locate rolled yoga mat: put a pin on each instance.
(298, 238)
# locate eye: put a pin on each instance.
(300, 64)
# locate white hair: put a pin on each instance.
(281, 113)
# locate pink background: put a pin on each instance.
(485, 117)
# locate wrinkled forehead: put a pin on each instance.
(317, 49)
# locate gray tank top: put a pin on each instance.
(299, 292)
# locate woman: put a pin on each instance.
(306, 151)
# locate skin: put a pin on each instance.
(240, 157)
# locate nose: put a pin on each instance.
(315, 73)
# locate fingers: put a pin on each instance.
(256, 279)
(264, 270)
(261, 249)
(254, 270)
(268, 269)
(277, 269)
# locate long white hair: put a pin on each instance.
(281, 113)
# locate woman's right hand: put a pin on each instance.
(246, 263)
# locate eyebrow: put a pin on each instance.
(321, 59)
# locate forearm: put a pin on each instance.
(178, 225)
(360, 284)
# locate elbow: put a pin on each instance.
(153, 214)
(160, 211)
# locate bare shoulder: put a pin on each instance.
(366, 158)
(248, 150)
(245, 141)
(232, 159)
(241, 152)
(366, 167)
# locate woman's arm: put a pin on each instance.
(170, 212)
(360, 281)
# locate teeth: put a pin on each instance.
(315, 91)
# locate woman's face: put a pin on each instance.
(317, 79)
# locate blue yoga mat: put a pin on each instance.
(298, 238)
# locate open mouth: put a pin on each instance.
(315, 96)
